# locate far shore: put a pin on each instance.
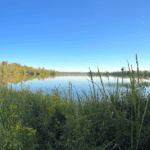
(120, 74)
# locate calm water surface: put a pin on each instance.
(79, 83)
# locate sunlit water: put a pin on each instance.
(79, 83)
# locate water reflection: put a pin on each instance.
(80, 83)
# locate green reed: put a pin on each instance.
(87, 120)
(137, 114)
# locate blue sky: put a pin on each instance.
(73, 35)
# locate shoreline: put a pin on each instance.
(103, 74)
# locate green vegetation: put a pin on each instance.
(15, 73)
(17, 69)
(46, 122)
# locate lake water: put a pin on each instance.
(79, 83)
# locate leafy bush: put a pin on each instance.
(48, 135)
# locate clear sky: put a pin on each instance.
(73, 35)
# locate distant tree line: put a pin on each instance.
(15, 68)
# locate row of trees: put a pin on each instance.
(15, 68)
(127, 72)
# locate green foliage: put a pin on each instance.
(32, 121)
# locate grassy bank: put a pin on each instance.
(31, 121)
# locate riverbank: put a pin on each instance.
(33, 121)
(105, 74)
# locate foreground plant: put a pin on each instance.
(33, 121)
(121, 117)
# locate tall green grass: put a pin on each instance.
(32, 121)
